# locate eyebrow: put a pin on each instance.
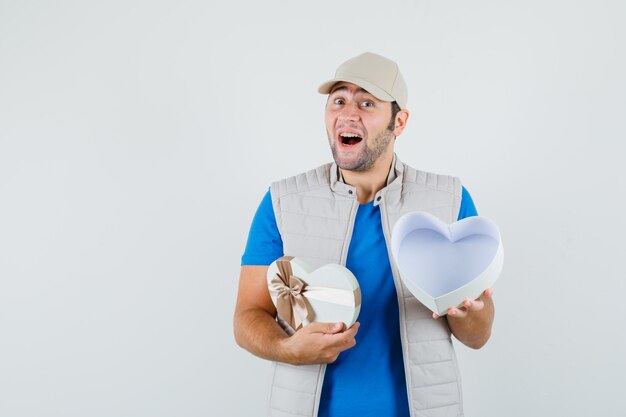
(343, 87)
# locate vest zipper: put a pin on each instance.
(342, 261)
(400, 295)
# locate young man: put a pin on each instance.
(398, 360)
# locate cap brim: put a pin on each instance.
(377, 92)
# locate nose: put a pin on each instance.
(349, 113)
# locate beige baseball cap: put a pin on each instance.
(380, 76)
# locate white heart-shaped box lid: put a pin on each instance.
(443, 264)
(321, 306)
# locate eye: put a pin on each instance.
(367, 103)
(338, 101)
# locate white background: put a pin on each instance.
(138, 137)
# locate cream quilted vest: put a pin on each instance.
(315, 213)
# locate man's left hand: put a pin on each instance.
(468, 306)
(471, 322)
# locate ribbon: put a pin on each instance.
(288, 289)
(290, 292)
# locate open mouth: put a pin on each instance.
(349, 139)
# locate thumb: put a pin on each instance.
(328, 328)
(335, 327)
(332, 328)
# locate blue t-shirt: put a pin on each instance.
(368, 379)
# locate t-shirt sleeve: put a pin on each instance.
(468, 209)
(264, 244)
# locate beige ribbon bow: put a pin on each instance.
(290, 302)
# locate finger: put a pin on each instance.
(436, 316)
(336, 327)
(356, 326)
(353, 330)
(458, 313)
(488, 292)
(346, 339)
(473, 305)
(328, 328)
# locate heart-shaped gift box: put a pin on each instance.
(443, 264)
(302, 295)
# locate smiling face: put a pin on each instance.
(357, 125)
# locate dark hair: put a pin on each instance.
(395, 108)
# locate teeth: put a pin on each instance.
(349, 135)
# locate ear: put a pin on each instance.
(400, 123)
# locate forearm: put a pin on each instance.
(474, 329)
(259, 333)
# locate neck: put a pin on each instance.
(369, 182)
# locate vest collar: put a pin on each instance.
(394, 180)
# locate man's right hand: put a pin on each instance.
(318, 343)
(257, 331)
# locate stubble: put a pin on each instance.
(368, 156)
